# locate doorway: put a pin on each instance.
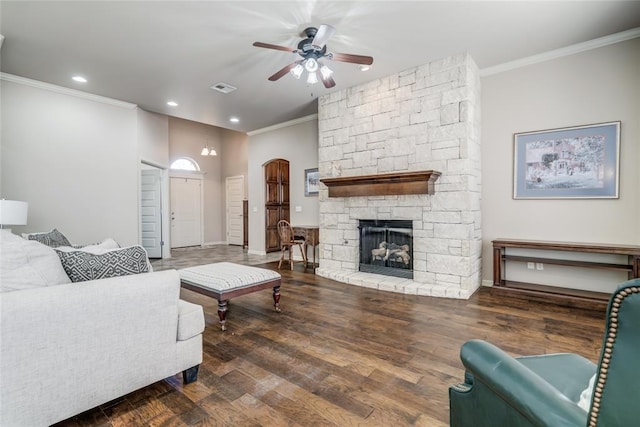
(234, 196)
(151, 210)
(186, 211)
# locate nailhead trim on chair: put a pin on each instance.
(606, 358)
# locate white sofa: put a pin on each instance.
(67, 348)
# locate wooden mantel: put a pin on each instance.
(418, 182)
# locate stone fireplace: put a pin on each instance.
(373, 136)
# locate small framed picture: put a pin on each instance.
(311, 182)
(580, 162)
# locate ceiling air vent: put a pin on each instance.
(223, 87)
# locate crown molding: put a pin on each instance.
(65, 91)
(284, 124)
(564, 51)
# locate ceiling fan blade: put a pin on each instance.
(355, 59)
(328, 82)
(283, 71)
(323, 35)
(273, 46)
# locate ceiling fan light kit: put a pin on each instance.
(312, 49)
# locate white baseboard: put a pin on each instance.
(253, 252)
(222, 242)
(488, 283)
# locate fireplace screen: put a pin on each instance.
(386, 247)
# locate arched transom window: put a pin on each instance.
(185, 164)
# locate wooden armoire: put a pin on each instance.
(276, 177)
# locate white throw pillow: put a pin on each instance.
(27, 264)
(98, 248)
(585, 396)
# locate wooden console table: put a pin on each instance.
(573, 297)
(311, 236)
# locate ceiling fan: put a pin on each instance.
(313, 50)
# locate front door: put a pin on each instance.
(186, 209)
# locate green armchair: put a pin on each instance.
(500, 390)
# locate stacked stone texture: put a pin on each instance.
(425, 118)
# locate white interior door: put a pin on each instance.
(151, 211)
(186, 208)
(235, 195)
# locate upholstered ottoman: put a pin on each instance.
(226, 280)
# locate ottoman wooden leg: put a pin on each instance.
(276, 298)
(222, 314)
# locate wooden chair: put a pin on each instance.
(288, 241)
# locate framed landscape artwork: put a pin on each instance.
(580, 162)
(311, 182)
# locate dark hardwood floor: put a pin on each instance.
(340, 355)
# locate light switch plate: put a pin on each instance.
(298, 208)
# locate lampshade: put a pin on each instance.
(13, 212)
(297, 71)
(311, 65)
(326, 71)
(312, 78)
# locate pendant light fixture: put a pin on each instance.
(206, 151)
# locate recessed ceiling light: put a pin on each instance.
(172, 103)
(79, 79)
(234, 120)
(365, 68)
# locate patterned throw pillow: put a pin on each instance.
(81, 266)
(53, 238)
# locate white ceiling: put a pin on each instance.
(150, 52)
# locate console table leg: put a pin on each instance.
(276, 298)
(497, 266)
(222, 314)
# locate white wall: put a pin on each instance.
(153, 138)
(297, 143)
(76, 157)
(186, 139)
(73, 158)
(596, 86)
(235, 152)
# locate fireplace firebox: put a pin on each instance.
(386, 247)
